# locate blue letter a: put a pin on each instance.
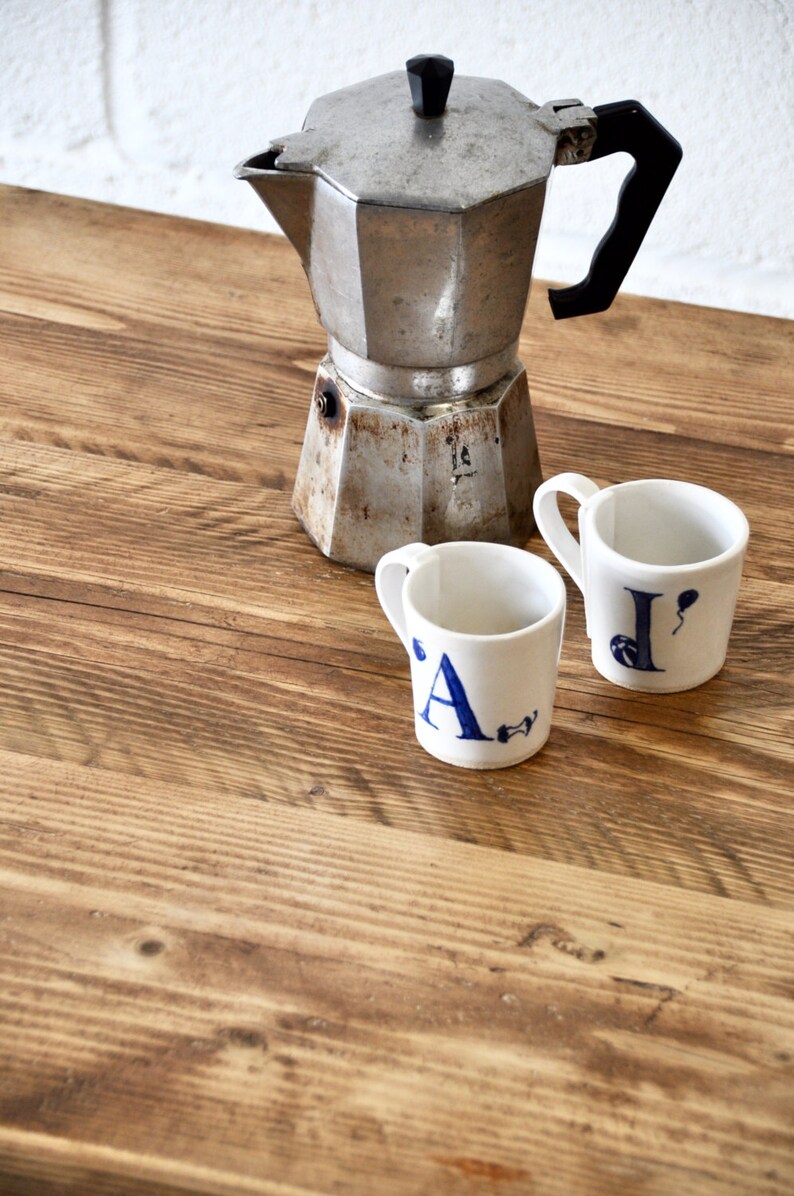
(469, 727)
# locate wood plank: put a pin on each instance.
(524, 1017)
(90, 265)
(178, 402)
(166, 700)
(646, 364)
(166, 284)
(92, 519)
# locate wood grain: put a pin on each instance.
(252, 940)
(212, 970)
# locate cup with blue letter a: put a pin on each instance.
(482, 625)
(659, 563)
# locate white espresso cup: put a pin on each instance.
(659, 563)
(482, 625)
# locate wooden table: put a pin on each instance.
(252, 938)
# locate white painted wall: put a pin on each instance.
(152, 102)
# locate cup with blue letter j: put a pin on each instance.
(659, 563)
(482, 625)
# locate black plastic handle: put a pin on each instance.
(624, 126)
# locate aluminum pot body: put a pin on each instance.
(418, 235)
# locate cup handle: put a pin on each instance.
(390, 574)
(551, 524)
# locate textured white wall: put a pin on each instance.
(152, 102)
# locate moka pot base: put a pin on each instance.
(376, 473)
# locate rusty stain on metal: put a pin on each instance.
(375, 474)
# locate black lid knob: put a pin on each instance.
(430, 77)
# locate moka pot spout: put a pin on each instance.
(287, 194)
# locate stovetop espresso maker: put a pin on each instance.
(415, 206)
